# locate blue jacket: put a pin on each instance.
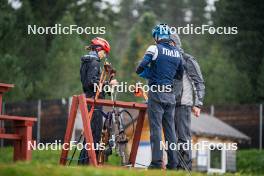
(161, 64)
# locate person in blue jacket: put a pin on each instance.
(161, 64)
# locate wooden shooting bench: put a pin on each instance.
(22, 128)
(81, 101)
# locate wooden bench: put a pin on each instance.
(22, 129)
(21, 137)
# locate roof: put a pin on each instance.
(211, 126)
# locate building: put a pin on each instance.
(211, 132)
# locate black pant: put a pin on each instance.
(96, 126)
(160, 115)
(183, 132)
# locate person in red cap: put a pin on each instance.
(90, 73)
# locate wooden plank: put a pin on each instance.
(136, 139)
(5, 87)
(10, 136)
(122, 104)
(2, 130)
(87, 129)
(17, 118)
(21, 148)
(1, 99)
(69, 129)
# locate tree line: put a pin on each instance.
(47, 66)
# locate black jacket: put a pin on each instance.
(90, 73)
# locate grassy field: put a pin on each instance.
(250, 162)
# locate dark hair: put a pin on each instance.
(94, 47)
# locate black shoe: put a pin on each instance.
(168, 167)
(180, 168)
(152, 166)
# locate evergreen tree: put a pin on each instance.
(223, 80)
(126, 20)
(7, 23)
(11, 72)
(31, 51)
(140, 39)
(168, 11)
(245, 48)
(197, 10)
(197, 44)
(25, 51)
(62, 79)
(260, 90)
(48, 12)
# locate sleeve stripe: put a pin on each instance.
(150, 52)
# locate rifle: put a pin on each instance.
(113, 134)
(105, 139)
(109, 72)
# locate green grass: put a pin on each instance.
(43, 157)
(46, 163)
(49, 157)
(251, 161)
(28, 169)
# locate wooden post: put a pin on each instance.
(1, 103)
(22, 151)
(136, 138)
(87, 129)
(212, 110)
(39, 121)
(3, 88)
(2, 126)
(70, 125)
(260, 125)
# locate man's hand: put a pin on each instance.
(138, 92)
(113, 82)
(196, 111)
